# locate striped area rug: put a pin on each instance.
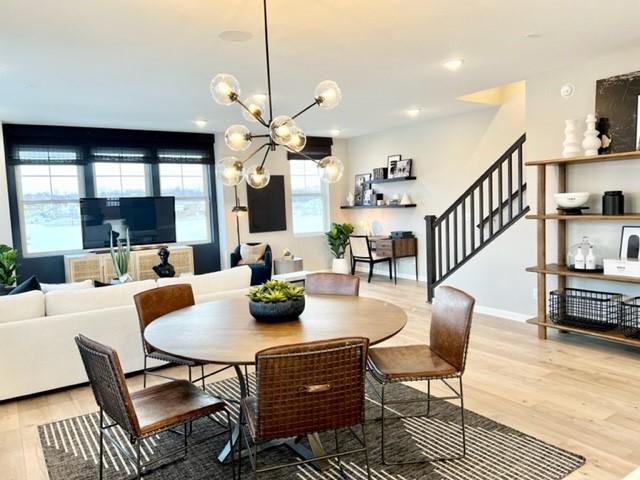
(494, 451)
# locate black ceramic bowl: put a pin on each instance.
(277, 312)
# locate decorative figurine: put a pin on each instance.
(164, 269)
(571, 143)
(591, 142)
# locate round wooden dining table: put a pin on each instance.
(224, 332)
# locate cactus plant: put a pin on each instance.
(120, 254)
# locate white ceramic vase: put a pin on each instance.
(350, 199)
(591, 142)
(571, 142)
(341, 265)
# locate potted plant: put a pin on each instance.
(7, 268)
(120, 254)
(276, 301)
(338, 238)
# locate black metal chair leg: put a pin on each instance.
(464, 436)
(338, 460)
(366, 452)
(370, 271)
(382, 424)
(390, 271)
(428, 397)
(144, 375)
(138, 461)
(204, 385)
(101, 466)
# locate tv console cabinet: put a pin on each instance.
(98, 266)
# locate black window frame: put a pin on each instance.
(50, 267)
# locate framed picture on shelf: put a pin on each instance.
(392, 162)
(369, 197)
(630, 243)
(403, 168)
(360, 187)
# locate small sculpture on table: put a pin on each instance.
(164, 269)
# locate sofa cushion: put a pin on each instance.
(52, 287)
(251, 253)
(21, 306)
(60, 302)
(28, 285)
(231, 279)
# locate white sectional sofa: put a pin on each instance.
(37, 351)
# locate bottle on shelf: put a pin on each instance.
(590, 261)
(579, 259)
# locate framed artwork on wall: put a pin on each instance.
(267, 207)
(617, 108)
(392, 162)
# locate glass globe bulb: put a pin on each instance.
(230, 171)
(330, 169)
(258, 177)
(225, 88)
(281, 129)
(238, 137)
(256, 105)
(328, 94)
(298, 140)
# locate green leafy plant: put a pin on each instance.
(274, 291)
(8, 257)
(120, 255)
(338, 238)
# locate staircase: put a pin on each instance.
(486, 209)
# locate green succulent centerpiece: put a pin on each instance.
(276, 301)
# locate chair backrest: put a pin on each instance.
(310, 387)
(451, 316)
(332, 284)
(154, 303)
(360, 246)
(108, 383)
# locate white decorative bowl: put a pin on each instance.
(572, 199)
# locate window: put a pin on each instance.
(120, 179)
(48, 197)
(188, 183)
(308, 196)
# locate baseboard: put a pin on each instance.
(496, 312)
(385, 272)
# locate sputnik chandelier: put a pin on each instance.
(282, 131)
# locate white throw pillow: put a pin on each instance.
(52, 287)
(70, 301)
(21, 306)
(225, 280)
(251, 253)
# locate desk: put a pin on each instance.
(386, 246)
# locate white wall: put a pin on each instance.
(5, 221)
(546, 112)
(312, 248)
(448, 155)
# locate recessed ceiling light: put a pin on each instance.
(235, 36)
(335, 132)
(453, 65)
(532, 35)
(414, 112)
(201, 123)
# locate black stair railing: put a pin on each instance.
(493, 203)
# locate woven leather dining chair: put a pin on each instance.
(444, 358)
(144, 413)
(154, 303)
(307, 389)
(325, 283)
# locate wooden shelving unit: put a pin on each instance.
(542, 269)
(390, 180)
(410, 205)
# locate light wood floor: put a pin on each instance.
(577, 393)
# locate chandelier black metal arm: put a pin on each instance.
(258, 117)
(266, 47)
(256, 151)
(315, 102)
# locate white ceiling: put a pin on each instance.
(147, 63)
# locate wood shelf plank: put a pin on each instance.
(585, 217)
(390, 180)
(611, 157)
(563, 271)
(411, 205)
(611, 335)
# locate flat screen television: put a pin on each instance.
(150, 220)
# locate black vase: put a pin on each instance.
(277, 312)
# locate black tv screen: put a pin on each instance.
(150, 220)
